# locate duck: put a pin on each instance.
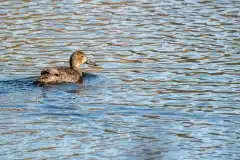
(62, 74)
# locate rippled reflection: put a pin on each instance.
(168, 86)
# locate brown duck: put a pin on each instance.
(65, 74)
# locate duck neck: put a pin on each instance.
(76, 68)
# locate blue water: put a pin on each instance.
(167, 88)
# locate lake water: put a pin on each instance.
(168, 85)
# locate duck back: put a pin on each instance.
(58, 75)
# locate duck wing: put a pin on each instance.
(59, 74)
(52, 71)
(59, 71)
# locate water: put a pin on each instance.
(168, 86)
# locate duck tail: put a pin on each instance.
(39, 82)
(43, 79)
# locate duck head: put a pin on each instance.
(78, 58)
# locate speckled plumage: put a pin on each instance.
(59, 74)
(65, 74)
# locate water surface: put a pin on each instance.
(168, 87)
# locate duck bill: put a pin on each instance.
(91, 62)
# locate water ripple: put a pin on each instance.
(168, 86)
